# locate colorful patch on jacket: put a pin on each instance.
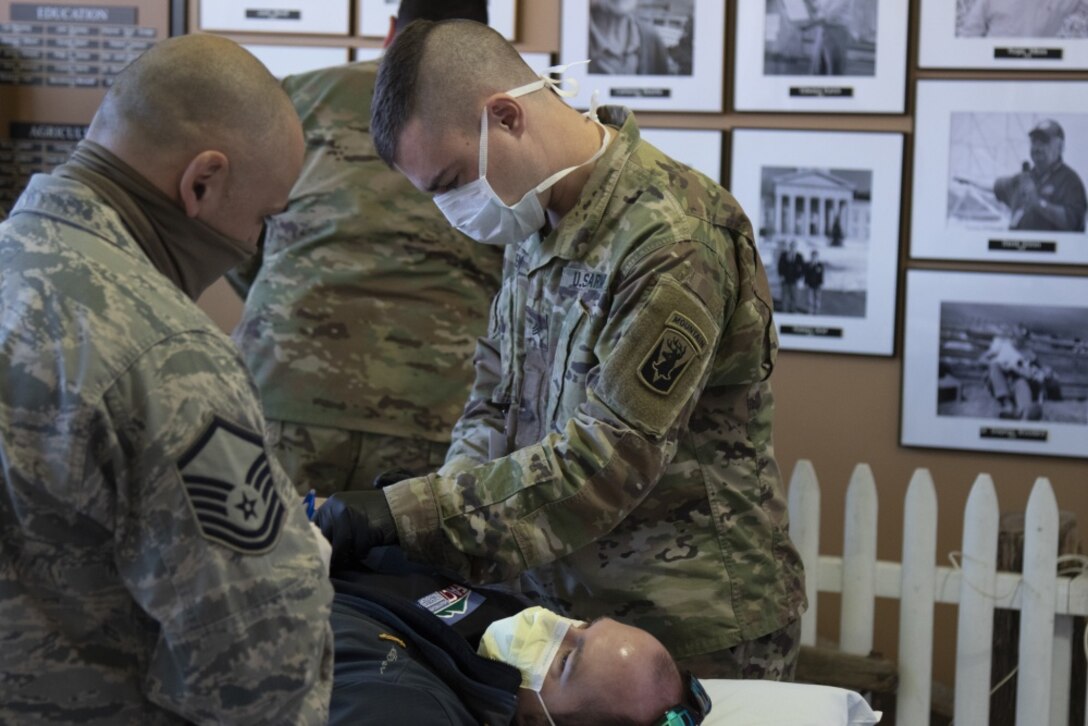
(230, 489)
(451, 603)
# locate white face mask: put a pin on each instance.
(528, 641)
(476, 210)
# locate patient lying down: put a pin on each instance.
(417, 647)
(535, 667)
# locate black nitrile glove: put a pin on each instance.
(354, 522)
(392, 476)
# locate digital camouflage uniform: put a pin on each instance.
(617, 443)
(155, 567)
(361, 323)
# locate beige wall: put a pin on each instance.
(839, 410)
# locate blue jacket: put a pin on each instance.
(398, 663)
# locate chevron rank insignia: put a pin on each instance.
(679, 343)
(229, 486)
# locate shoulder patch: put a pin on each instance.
(680, 342)
(228, 483)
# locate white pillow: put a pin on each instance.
(770, 703)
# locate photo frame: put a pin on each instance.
(998, 171)
(803, 196)
(537, 61)
(276, 16)
(288, 60)
(793, 55)
(647, 55)
(699, 149)
(374, 17)
(996, 362)
(972, 34)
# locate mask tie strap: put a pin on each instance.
(483, 144)
(594, 104)
(546, 714)
(563, 172)
(545, 81)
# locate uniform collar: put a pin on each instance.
(69, 202)
(574, 236)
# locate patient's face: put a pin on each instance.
(611, 667)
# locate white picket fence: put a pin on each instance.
(1047, 603)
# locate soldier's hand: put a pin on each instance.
(355, 522)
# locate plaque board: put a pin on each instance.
(56, 62)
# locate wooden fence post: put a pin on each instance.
(804, 506)
(975, 630)
(1037, 606)
(919, 578)
(859, 563)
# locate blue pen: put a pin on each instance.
(309, 500)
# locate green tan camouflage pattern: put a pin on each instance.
(367, 305)
(771, 657)
(330, 460)
(113, 607)
(662, 509)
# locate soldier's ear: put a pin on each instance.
(203, 184)
(392, 32)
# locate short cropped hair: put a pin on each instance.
(396, 88)
(440, 10)
(441, 72)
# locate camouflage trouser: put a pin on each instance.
(331, 460)
(772, 657)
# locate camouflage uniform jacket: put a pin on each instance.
(366, 309)
(617, 444)
(127, 421)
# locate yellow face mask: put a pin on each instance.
(528, 641)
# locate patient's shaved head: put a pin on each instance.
(191, 93)
(442, 73)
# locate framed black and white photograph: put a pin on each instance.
(998, 171)
(374, 17)
(287, 60)
(649, 55)
(1034, 35)
(276, 16)
(839, 56)
(996, 363)
(699, 149)
(825, 208)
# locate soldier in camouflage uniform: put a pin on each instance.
(617, 445)
(155, 564)
(360, 324)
